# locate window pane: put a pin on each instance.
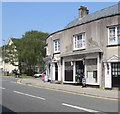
(83, 40)
(118, 34)
(75, 42)
(56, 45)
(79, 41)
(112, 35)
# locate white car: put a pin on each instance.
(38, 75)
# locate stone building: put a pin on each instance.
(89, 44)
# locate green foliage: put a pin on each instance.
(30, 51)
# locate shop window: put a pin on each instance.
(91, 66)
(68, 71)
(95, 76)
(92, 77)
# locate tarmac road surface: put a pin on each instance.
(23, 98)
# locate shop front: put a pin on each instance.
(77, 66)
(72, 66)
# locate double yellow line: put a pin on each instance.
(63, 91)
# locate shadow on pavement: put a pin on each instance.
(6, 110)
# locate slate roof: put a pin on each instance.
(112, 10)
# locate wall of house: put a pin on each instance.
(114, 51)
(96, 35)
(9, 67)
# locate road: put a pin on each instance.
(23, 98)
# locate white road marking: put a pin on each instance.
(80, 108)
(29, 95)
(2, 88)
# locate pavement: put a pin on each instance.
(73, 89)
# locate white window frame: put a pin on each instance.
(76, 42)
(56, 46)
(116, 36)
(46, 47)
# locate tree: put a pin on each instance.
(33, 43)
(30, 51)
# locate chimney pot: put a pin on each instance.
(83, 11)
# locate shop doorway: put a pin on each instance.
(79, 67)
(79, 71)
(115, 74)
(56, 71)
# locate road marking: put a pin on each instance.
(64, 91)
(29, 95)
(80, 108)
(2, 88)
(69, 92)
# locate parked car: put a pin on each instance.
(44, 77)
(38, 75)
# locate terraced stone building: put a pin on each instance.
(89, 44)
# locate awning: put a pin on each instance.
(82, 52)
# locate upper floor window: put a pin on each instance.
(46, 47)
(56, 46)
(79, 41)
(114, 35)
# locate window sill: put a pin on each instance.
(80, 49)
(56, 52)
(113, 45)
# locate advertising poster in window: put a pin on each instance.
(90, 77)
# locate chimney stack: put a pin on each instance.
(82, 11)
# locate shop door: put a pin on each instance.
(115, 74)
(56, 71)
(79, 71)
(79, 67)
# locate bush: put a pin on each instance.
(29, 72)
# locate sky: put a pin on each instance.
(20, 17)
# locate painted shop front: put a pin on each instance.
(88, 65)
(66, 68)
